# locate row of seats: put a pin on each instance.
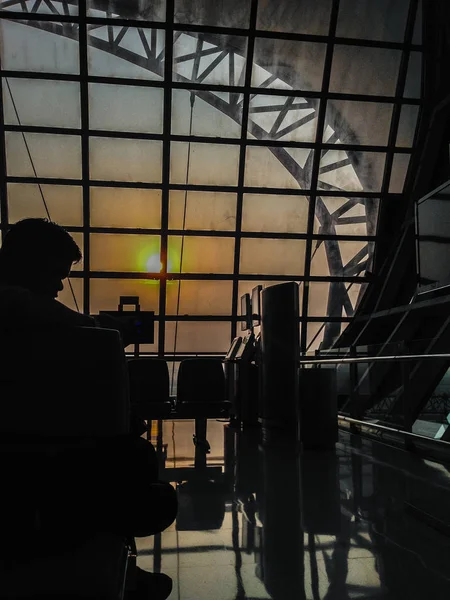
(201, 389)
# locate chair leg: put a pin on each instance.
(202, 447)
(200, 440)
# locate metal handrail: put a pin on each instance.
(407, 434)
(369, 359)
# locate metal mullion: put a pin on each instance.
(167, 124)
(219, 318)
(84, 103)
(3, 167)
(395, 120)
(316, 163)
(45, 130)
(202, 139)
(194, 187)
(44, 180)
(219, 277)
(129, 135)
(125, 184)
(190, 86)
(11, 15)
(226, 234)
(125, 81)
(38, 75)
(242, 154)
(119, 22)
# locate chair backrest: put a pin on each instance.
(149, 381)
(71, 382)
(201, 380)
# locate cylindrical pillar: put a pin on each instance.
(280, 349)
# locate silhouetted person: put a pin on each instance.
(35, 258)
(114, 486)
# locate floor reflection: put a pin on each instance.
(267, 522)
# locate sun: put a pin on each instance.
(154, 264)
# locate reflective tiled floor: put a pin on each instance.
(255, 521)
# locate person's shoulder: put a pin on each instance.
(11, 290)
(6, 286)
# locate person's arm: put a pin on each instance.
(21, 308)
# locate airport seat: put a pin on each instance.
(93, 568)
(201, 389)
(63, 385)
(61, 391)
(149, 389)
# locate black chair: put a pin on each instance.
(59, 389)
(201, 389)
(149, 389)
(201, 395)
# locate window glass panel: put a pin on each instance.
(198, 336)
(288, 64)
(55, 7)
(318, 298)
(413, 83)
(220, 13)
(199, 297)
(286, 118)
(134, 53)
(400, 166)
(278, 167)
(219, 61)
(67, 297)
(362, 172)
(209, 164)
(346, 216)
(125, 252)
(105, 293)
(215, 211)
(417, 35)
(43, 103)
(295, 16)
(338, 258)
(383, 20)
(201, 254)
(332, 299)
(26, 48)
(314, 336)
(52, 155)
(361, 70)
(323, 335)
(125, 108)
(407, 125)
(209, 114)
(272, 257)
(148, 10)
(123, 207)
(126, 159)
(283, 214)
(359, 122)
(64, 203)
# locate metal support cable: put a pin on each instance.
(192, 101)
(35, 174)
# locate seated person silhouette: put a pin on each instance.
(35, 258)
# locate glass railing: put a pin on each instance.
(394, 385)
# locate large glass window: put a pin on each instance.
(229, 149)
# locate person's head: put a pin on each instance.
(38, 254)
